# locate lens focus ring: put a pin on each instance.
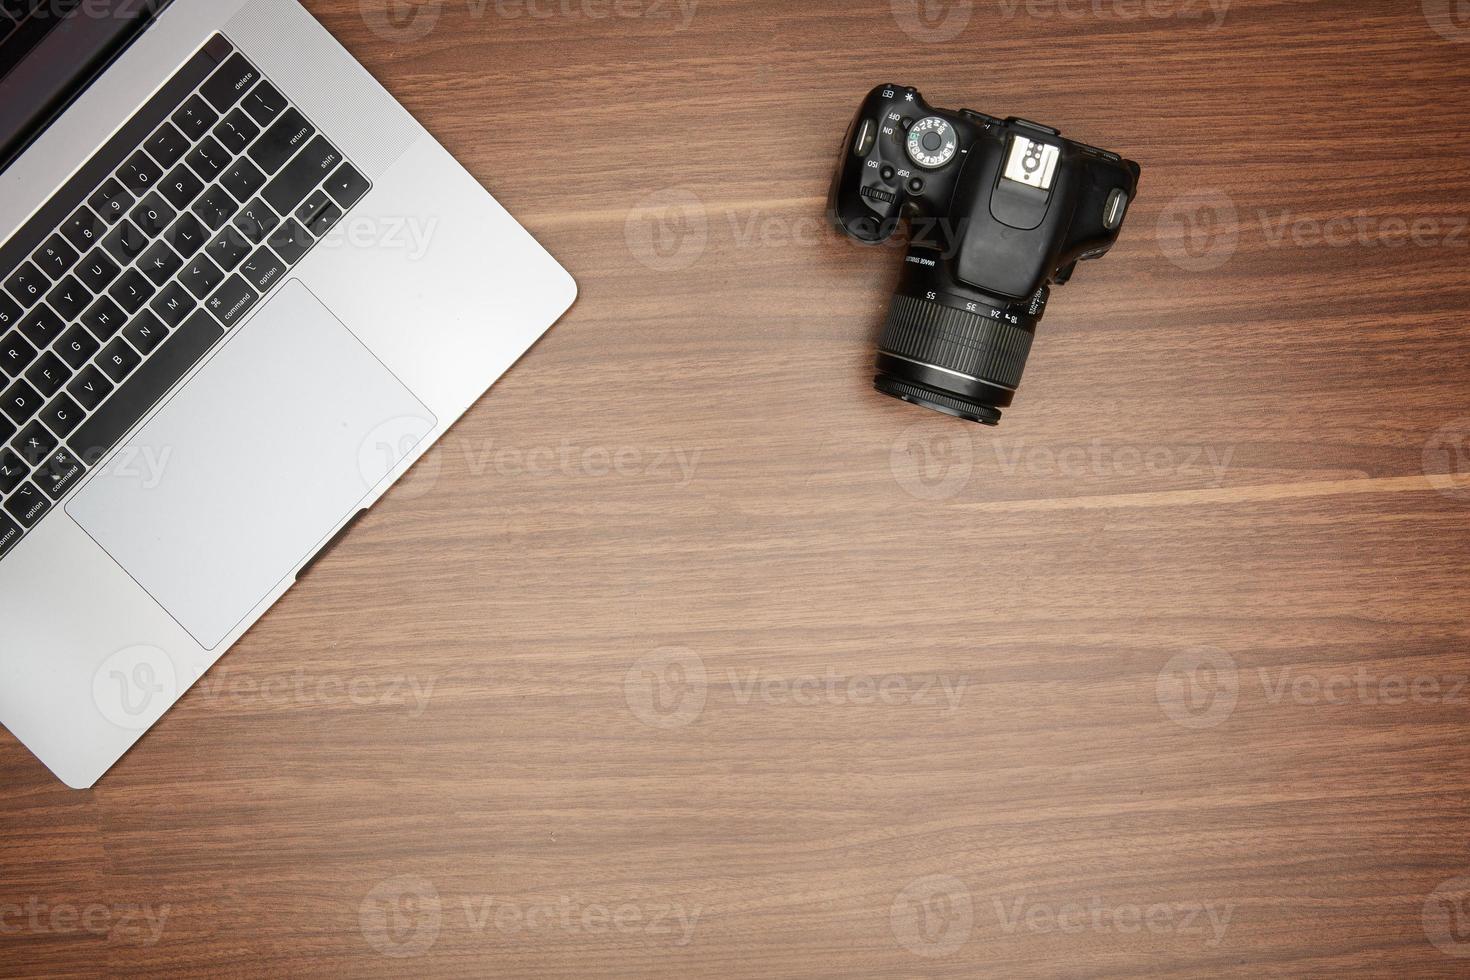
(956, 340)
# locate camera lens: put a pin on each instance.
(952, 349)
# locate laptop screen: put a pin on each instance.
(50, 51)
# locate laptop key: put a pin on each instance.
(118, 359)
(256, 220)
(132, 290)
(291, 241)
(26, 284)
(243, 179)
(140, 173)
(262, 269)
(97, 271)
(168, 145)
(9, 312)
(145, 332)
(280, 142)
(132, 400)
(77, 347)
(264, 103)
(125, 242)
(160, 263)
(10, 535)
(69, 298)
(48, 374)
(153, 215)
(90, 387)
(172, 304)
(13, 470)
(111, 200)
(15, 355)
(181, 187)
(41, 326)
(200, 276)
(347, 186)
(233, 300)
(236, 131)
(195, 118)
(27, 505)
(302, 175)
(83, 229)
(20, 402)
(59, 473)
(62, 415)
(234, 78)
(56, 257)
(228, 248)
(215, 207)
(104, 318)
(187, 236)
(33, 443)
(208, 159)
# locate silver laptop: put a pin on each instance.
(241, 292)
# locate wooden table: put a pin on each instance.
(688, 655)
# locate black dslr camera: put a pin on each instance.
(998, 211)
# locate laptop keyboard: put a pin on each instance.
(167, 238)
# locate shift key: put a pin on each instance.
(301, 176)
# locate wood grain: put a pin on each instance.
(686, 654)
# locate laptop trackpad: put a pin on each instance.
(243, 473)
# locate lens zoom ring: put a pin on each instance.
(977, 346)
